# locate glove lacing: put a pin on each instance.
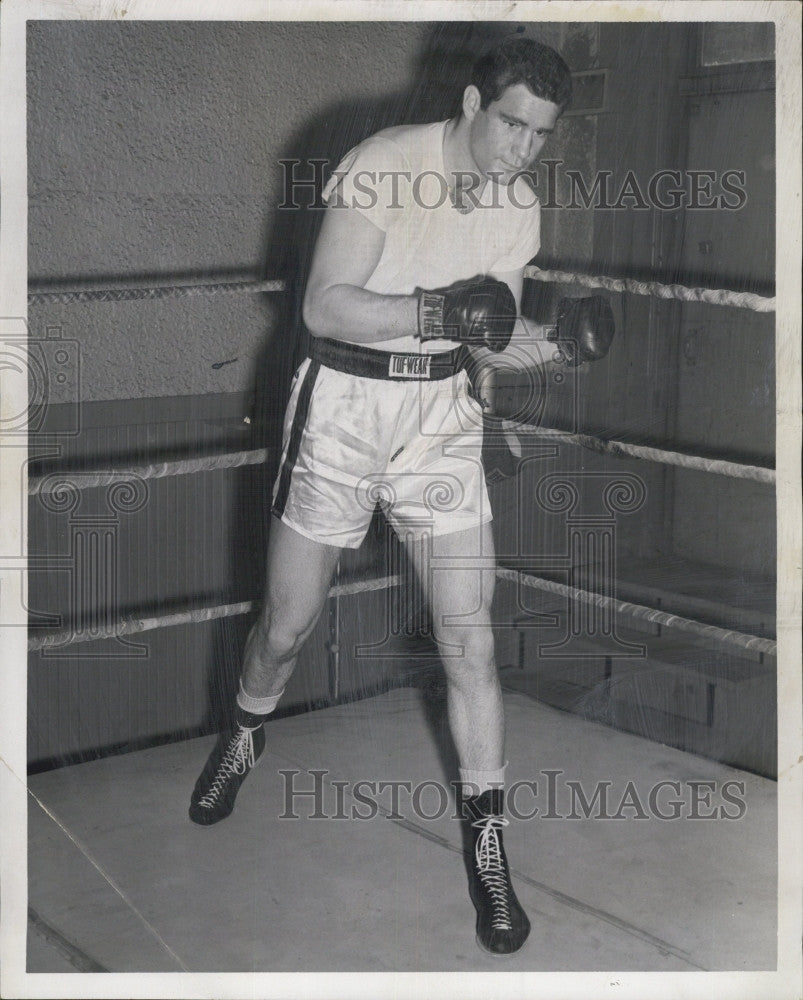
(238, 759)
(491, 871)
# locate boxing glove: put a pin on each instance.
(584, 329)
(480, 312)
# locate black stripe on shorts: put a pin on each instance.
(296, 431)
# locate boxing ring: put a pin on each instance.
(574, 916)
(54, 484)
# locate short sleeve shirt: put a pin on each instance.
(397, 180)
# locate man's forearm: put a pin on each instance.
(529, 343)
(528, 350)
(355, 314)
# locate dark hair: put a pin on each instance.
(523, 60)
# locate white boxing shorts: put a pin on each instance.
(353, 442)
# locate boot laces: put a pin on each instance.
(491, 870)
(237, 759)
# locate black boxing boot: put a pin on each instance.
(502, 925)
(234, 755)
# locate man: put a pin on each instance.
(420, 261)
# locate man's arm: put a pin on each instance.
(528, 342)
(526, 330)
(336, 303)
(582, 332)
(514, 281)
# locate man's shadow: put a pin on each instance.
(438, 76)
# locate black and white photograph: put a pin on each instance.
(401, 539)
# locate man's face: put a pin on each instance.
(508, 135)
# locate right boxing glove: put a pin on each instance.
(584, 330)
(480, 311)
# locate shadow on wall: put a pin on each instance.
(437, 76)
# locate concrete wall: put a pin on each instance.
(154, 154)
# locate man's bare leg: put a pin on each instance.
(458, 578)
(460, 601)
(298, 574)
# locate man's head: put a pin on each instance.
(518, 92)
(523, 60)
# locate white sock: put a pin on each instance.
(476, 782)
(257, 706)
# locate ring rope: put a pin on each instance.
(51, 482)
(193, 616)
(623, 449)
(728, 637)
(716, 296)
(131, 626)
(154, 292)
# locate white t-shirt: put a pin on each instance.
(397, 179)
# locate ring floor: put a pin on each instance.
(121, 880)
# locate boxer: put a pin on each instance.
(406, 280)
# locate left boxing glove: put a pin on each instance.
(584, 329)
(481, 312)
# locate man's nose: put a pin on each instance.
(524, 149)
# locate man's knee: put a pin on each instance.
(279, 637)
(466, 648)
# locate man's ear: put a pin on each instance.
(471, 101)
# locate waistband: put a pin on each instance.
(354, 359)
